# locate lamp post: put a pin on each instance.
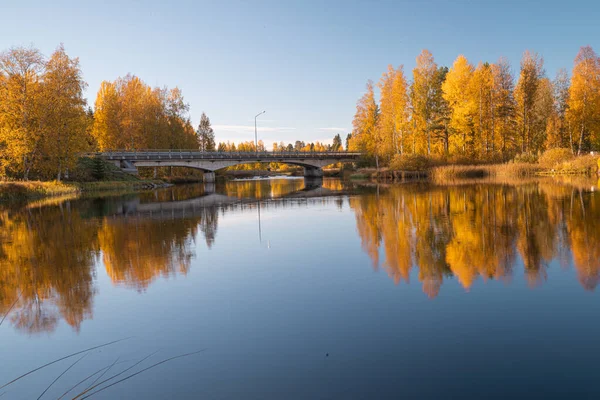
(255, 132)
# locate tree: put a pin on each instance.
(481, 91)
(20, 112)
(337, 143)
(107, 118)
(423, 97)
(365, 136)
(205, 134)
(65, 124)
(526, 96)
(503, 106)
(558, 132)
(543, 113)
(394, 111)
(131, 115)
(583, 112)
(457, 92)
(348, 137)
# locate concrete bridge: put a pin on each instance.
(209, 162)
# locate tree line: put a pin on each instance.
(298, 145)
(479, 113)
(46, 123)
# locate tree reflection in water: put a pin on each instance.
(49, 251)
(480, 230)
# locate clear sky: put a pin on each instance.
(304, 62)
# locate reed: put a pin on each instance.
(447, 173)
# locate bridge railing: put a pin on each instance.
(214, 155)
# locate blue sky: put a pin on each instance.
(305, 63)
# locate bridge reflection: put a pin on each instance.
(193, 200)
(49, 251)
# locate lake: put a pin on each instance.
(293, 289)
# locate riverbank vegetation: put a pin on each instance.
(31, 190)
(481, 114)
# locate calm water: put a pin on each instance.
(473, 290)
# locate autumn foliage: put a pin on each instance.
(479, 112)
(46, 124)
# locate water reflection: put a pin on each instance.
(480, 231)
(50, 251)
(47, 259)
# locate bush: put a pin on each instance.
(552, 157)
(587, 164)
(410, 162)
(528, 158)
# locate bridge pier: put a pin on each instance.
(312, 182)
(209, 188)
(313, 172)
(209, 177)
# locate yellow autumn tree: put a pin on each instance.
(365, 133)
(423, 98)
(393, 121)
(457, 92)
(20, 110)
(131, 115)
(584, 100)
(503, 108)
(481, 90)
(65, 122)
(526, 95)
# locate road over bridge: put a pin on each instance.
(209, 162)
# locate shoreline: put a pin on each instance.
(34, 190)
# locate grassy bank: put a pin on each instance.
(514, 170)
(554, 162)
(19, 191)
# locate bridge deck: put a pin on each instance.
(209, 155)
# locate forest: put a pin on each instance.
(479, 113)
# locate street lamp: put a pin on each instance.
(255, 134)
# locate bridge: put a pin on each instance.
(209, 162)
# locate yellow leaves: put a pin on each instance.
(132, 115)
(583, 111)
(459, 94)
(393, 120)
(365, 135)
(20, 108)
(43, 124)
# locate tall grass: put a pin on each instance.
(33, 190)
(450, 172)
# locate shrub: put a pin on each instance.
(410, 162)
(552, 157)
(528, 158)
(449, 172)
(588, 164)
